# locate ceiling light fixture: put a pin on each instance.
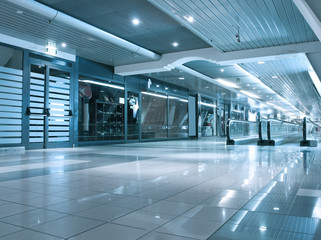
(64, 45)
(261, 62)
(222, 70)
(208, 104)
(175, 44)
(102, 84)
(274, 77)
(19, 12)
(228, 84)
(136, 21)
(249, 94)
(154, 94)
(316, 81)
(181, 78)
(189, 18)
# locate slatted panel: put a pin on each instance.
(293, 82)
(37, 92)
(10, 106)
(261, 23)
(59, 104)
(30, 26)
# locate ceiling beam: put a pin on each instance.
(174, 60)
(309, 16)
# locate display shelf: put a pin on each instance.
(109, 118)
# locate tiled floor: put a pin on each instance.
(176, 190)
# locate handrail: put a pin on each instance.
(261, 130)
(246, 135)
(308, 142)
(270, 137)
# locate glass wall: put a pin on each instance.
(133, 116)
(208, 125)
(154, 116)
(101, 110)
(177, 117)
(163, 116)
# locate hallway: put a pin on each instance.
(174, 190)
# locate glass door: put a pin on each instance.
(132, 116)
(49, 110)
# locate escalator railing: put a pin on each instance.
(280, 132)
(239, 131)
(263, 132)
(311, 133)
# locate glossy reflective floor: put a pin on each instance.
(175, 190)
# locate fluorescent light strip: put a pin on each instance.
(249, 94)
(227, 83)
(208, 104)
(177, 98)
(267, 88)
(102, 84)
(154, 94)
(316, 81)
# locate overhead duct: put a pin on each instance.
(53, 15)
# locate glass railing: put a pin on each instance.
(281, 129)
(263, 130)
(313, 131)
(239, 129)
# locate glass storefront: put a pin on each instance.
(163, 116)
(154, 116)
(177, 117)
(133, 116)
(101, 110)
(208, 119)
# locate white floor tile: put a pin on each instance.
(188, 227)
(111, 232)
(104, 213)
(33, 218)
(67, 226)
(144, 220)
(30, 235)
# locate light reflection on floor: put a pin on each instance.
(162, 190)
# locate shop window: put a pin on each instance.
(154, 116)
(177, 117)
(101, 110)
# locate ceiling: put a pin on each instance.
(259, 23)
(228, 26)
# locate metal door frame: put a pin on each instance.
(48, 65)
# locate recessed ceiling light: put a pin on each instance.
(249, 94)
(227, 83)
(189, 18)
(181, 78)
(136, 21)
(248, 85)
(262, 228)
(207, 87)
(166, 88)
(175, 44)
(274, 76)
(222, 70)
(19, 12)
(157, 85)
(260, 62)
(254, 88)
(259, 91)
(64, 44)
